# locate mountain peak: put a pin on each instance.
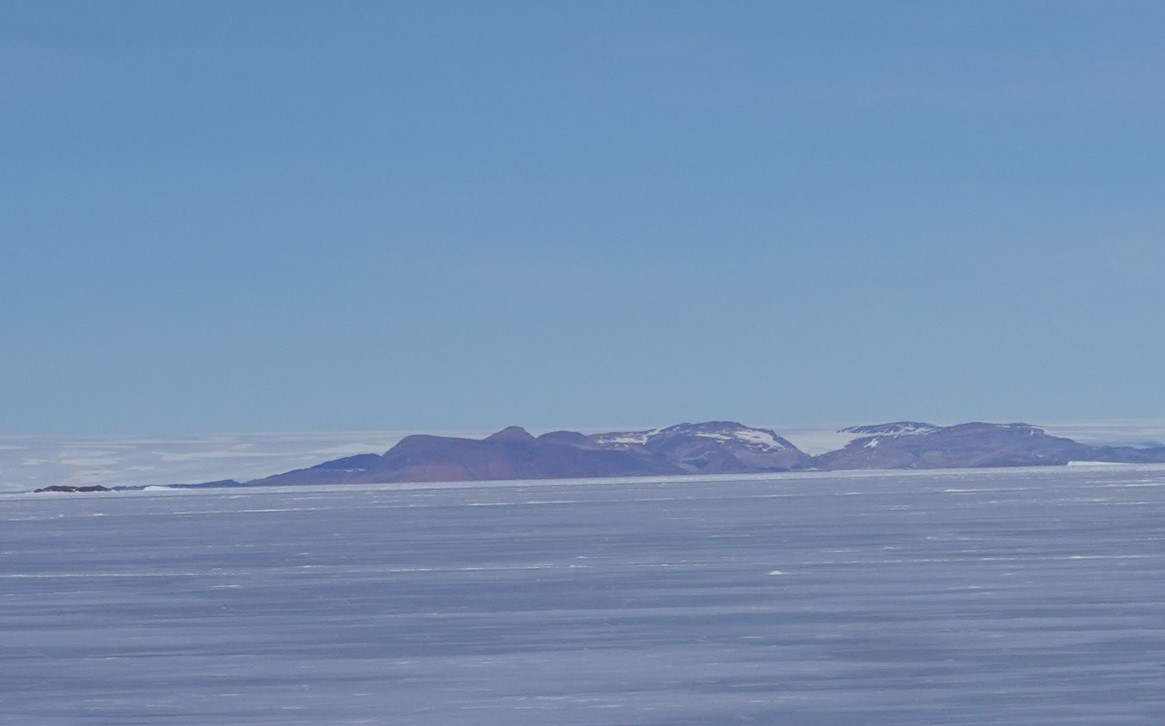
(711, 447)
(897, 428)
(913, 445)
(511, 433)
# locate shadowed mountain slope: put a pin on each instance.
(509, 454)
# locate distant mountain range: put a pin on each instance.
(715, 447)
(913, 445)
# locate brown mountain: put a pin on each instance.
(511, 453)
(715, 447)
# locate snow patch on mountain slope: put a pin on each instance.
(760, 438)
(898, 428)
(718, 431)
(624, 438)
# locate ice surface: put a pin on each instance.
(31, 462)
(1139, 433)
(1015, 597)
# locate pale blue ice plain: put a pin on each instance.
(973, 597)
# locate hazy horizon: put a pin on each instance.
(31, 461)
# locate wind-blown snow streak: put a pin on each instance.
(1022, 597)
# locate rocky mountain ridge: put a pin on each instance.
(714, 447)
(914, 445)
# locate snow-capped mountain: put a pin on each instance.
(913, 445)
(713, 447)
(717, 447)
(760, 439)
(898, 428)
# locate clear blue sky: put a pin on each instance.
(237, 216)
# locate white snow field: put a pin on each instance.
(1032, 596)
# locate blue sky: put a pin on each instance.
(224, 216)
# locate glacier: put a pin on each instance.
(940, 597)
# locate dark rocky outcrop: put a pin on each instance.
(70, 489)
